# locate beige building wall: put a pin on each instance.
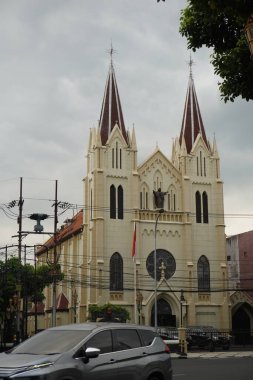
(177, 231)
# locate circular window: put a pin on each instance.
(165, 264)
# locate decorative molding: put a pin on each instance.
(117, 176)
(116, 296)
(240, 297)
(204, 298)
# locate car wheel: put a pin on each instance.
(154, 377)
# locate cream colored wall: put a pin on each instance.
(187, 241)
(177, 232)
(208, 239)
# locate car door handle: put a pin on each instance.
(113, 361)
(145, 354)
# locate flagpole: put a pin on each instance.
(135, 280)
(135, 293)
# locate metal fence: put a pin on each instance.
(199, 336)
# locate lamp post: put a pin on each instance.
(155, 274)
(75, 297)
(249, 34)
(182, 300)
(182, 330)
(139, 299)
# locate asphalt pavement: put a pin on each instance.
(218, 366)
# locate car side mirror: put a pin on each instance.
(92, 352)
(88, 353)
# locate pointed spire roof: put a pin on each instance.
(111, 112)
(192, 123)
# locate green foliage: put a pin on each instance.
(102, 311)
(220, 24)
(33, 280)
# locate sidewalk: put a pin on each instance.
(211, 355)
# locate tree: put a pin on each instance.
(219, 24)
(108, 313)
(32, 280)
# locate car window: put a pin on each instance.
(147, 336)
(127, 339)
(102, 340)
(51, 342)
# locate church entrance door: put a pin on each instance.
(164, 314)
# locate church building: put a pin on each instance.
(152, 236)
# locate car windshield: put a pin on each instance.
(51, 342)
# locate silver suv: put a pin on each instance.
(89, 351)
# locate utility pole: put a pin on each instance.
(18, 286)
(55, 254)
(35, 300)
(20, 204)
(25, 300)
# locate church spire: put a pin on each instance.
(192, 124)
(111, 112)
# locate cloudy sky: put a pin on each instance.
(53, 68)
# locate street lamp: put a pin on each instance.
(155, 274)
(75, 297)
(182, 330)
(139, 299)
(182, 301)
(249, 34)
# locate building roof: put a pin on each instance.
(71, 227)
(192, 124)
(111, 112)
(62, 302)
(40, 309)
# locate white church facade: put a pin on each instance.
(178, 274)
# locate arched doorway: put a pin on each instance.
(241, 327)
(164, 314)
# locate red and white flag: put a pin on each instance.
(134, 242)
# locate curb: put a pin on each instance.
(213, 355)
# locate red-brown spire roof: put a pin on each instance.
(192, 123)
(111, 112)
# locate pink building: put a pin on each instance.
(240, 261)
(240, 269)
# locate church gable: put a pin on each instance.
(200, 144)
(116, 135)
(115, 153)
(158, 172)
(159, 164)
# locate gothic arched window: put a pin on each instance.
(112, 157)
(112, 202)
(205, 207)
(116, 272)
(203, 274)
(198, 207)
(120, 202)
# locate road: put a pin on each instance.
(234, 368)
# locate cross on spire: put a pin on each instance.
(190, 63)
(111, 51)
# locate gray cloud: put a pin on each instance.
(53, 69)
